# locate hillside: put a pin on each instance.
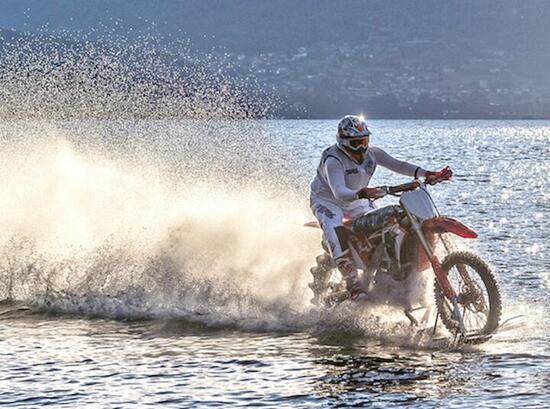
(403, 58)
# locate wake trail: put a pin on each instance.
(94, 234)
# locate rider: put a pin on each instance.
(342, 177)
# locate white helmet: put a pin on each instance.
(353, 133)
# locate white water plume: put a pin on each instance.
(83, 233)
(107, 214)
(68, 75)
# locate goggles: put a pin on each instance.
(356, 143)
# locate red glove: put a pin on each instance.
(438, 176)
(371, 193)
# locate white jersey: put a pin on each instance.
(339, 177)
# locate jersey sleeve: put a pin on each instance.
(336, 180)
(396, 165)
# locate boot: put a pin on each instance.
(347, 268)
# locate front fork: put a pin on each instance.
(441, 278)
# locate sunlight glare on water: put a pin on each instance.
(217, 265)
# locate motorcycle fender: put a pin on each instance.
(448, 225)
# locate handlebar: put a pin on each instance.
(379, 192)
(405, 187)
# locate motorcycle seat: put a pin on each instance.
(375, 220)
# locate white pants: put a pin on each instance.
(330, 217)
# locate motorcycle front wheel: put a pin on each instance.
(478, 296)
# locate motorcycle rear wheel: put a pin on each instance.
(326, 293)
(479, 300)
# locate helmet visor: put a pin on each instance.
(357, 143)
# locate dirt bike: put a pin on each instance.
(398, 243)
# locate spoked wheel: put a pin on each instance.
(478, 297)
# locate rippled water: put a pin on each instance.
(198, 297)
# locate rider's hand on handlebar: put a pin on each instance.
(438, 176)
(371, 193)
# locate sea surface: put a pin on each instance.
(165, 264)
